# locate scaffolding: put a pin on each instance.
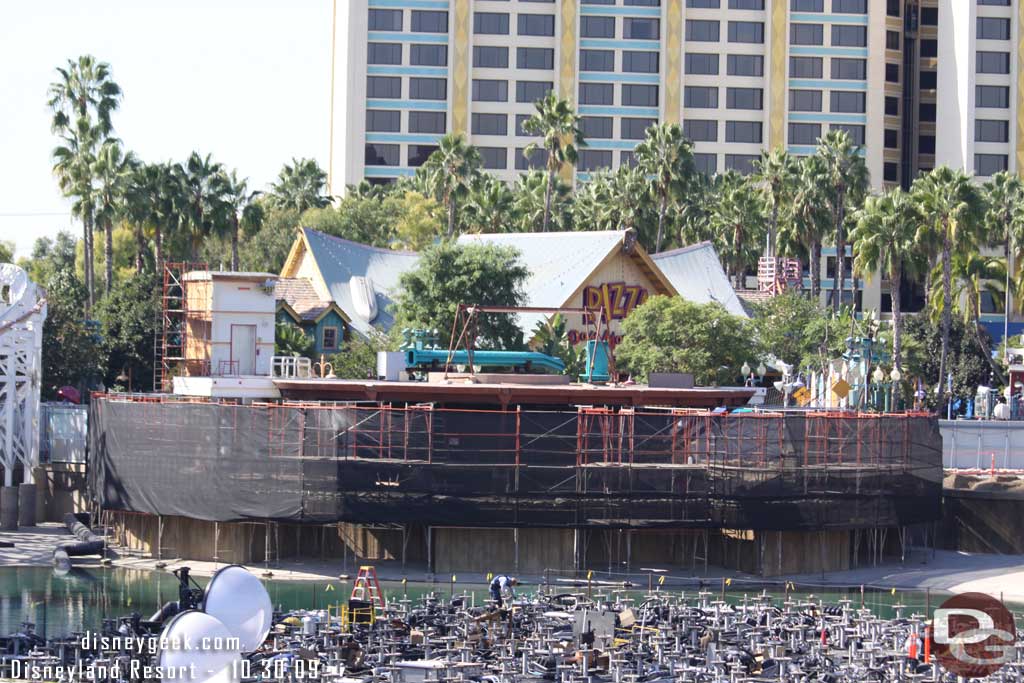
(776, 275)
(181, 347)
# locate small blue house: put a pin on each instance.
(299, 304)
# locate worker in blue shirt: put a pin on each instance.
(501, 586)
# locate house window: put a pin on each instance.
(330, 338)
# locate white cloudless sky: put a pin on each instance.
(245, 80)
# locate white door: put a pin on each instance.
(243, 349)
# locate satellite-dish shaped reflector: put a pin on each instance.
(196, 647)
(238, 599)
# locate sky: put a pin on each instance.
(245, 80)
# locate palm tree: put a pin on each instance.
(1004, 225)
(775, 170)
(291, 340)
(490, 206)
(666, 155)
(533, 201)
(113, 170)
(82, 100)
(242, 210)
(737, 222)
(557, 123)
(847, 180)
(615, 200)
(203, 190)
(300, 186)
(885, 241)
(807, 218)
(450, 170)
(951, 208)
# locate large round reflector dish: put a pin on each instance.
(198, 648)
(240, 601)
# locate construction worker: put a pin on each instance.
(502, 585)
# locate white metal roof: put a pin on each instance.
(697, 274)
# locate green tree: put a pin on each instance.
(449, 274)
(885, 241)
(951, 208)
(300, 186)
(737, 223)
(6, 251)
(490, 206)
(1003, 195)
(846, 177)
(557, 123)
(128, 317)
(675, 335)
(666, 155)
(291, 340)
(451, 170)
(616, 200)
(113, 170)
(775, 171)
(266, 249)
(551, 336)
(242, 210)
(807, 219)
(966, 361)
(367, 220)
(72, 354)
(418, 223)
(532, 202)
(794, 328)
(358, 356)
(203, 203)
(52, 256)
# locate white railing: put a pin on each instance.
(291, 367)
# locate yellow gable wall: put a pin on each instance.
(619, 285)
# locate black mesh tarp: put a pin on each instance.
(327, 463)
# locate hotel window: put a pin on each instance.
(993, 96)
(520, 120)
(594, 159)
(987, 130)
(597, 27)
(929, 47)
(926, 144)
(381, 155)
(597, 60)
(744, 98)
(807, 34)
(743, 131)
(704, 4)
(486, 90)
(893, 8)
(991, 62)
(805, 100)
(745, 65)
(846, 102)
(389, 87)
(993, 28)
(329, 338)
(995, 3)
(892, 139)
(807, 5)
(849, 36)
(426, 121)
(597, 93)
(990, 164)
(490, 57)
(535, 58)
(701, 31)
(706, 163)
(640, 62)
(494, 158)
(890, 171)
(428, 55)
(490, 124)
(700, 97)
(385, 20)
(531, 91)
(746, 4)
(640, 95)
(537, 160)
(804, 133)
(701, 130)
(849, 69)
(424, 21)
(383, 121)
(855, 132)
(490, 23)
(383, 53)
(928, 80)
(598, 127)
(926, 112)
(892, 73)
(849, 6)
(892, 40)
(746, 32)
(428, 89)
(627, 158)
(642, 3)
(635, 129)
(419, 154)
(805, 67)
(929, 16)
(597, 2)
(701, 64)
(742, 163)
(892, 106)
(536, 24)
(641, 29)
